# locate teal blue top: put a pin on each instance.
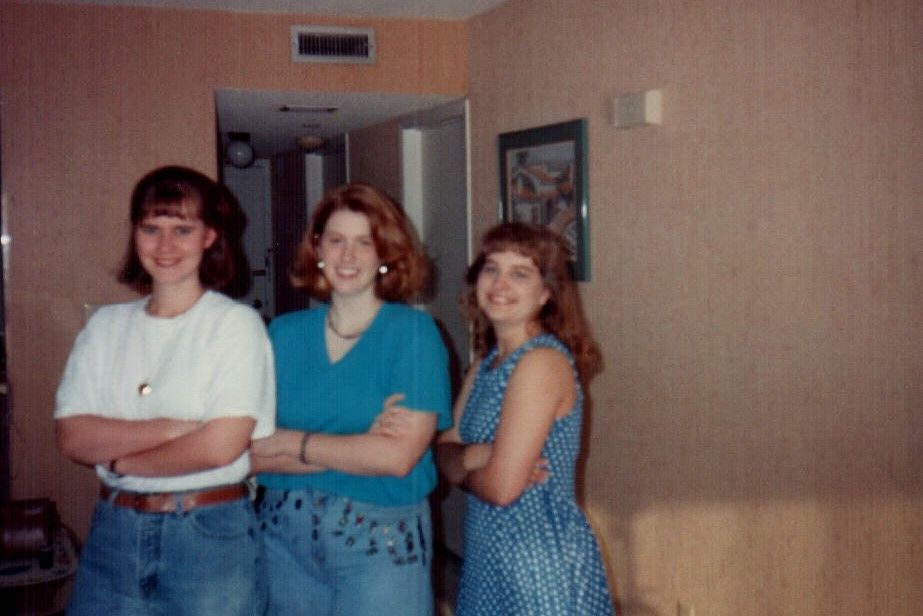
(400, 352)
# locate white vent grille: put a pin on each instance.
(333, 44)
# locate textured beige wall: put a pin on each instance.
(92, 98)
(757, 437)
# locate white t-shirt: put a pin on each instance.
(214, 360)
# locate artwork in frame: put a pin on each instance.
(543, 180)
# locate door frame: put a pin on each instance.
(448, 502)
(412, 160)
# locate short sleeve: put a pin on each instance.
(242, 382)
(420, 368)
(78, 392)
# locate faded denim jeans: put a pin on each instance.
(329, 556)
(204, 561)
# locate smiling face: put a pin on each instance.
(348, 250)
(510, 290)
(170, 248)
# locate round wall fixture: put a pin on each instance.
(239, 152)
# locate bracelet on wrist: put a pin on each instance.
(303, 449)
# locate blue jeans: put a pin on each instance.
(205, 561)
(328, 555)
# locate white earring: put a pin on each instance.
(383, 269)
(321, 264)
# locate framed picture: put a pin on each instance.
(543, 180)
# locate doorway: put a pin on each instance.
(437, 192)
(252, 187)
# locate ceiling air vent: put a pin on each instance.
(333, 44)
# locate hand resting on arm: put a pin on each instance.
(540, 390)
(156, 447)
(381, 451)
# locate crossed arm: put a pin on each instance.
(155, 447)
(391, 447)
(540, 390)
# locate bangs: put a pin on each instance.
(186, 208)
(169, 198)
(517, 245)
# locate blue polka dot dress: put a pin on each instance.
(537, 556)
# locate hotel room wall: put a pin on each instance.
(757, 438)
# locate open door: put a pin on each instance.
(436, 196)
(252, 187)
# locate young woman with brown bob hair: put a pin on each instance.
(163, 395)
(223, 264)
(344, 511)
(514, 445)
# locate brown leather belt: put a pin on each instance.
(170, 502)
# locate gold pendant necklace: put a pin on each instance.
(145, 388)
(348, 336)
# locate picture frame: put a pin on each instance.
(543, 180)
